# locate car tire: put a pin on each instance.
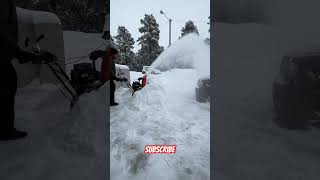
(289, 112)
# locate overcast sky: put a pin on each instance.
(129, 12)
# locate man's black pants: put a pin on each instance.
(112, 91)
(8, 89)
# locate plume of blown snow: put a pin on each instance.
(189, 52)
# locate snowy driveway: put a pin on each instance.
(164, 112)
(62, 144)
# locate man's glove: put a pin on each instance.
(121, 79)
(96, 54)
(44, 57)
(24, 56)
(117, 78)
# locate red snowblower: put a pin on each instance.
(137, 85)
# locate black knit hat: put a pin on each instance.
(113, 51)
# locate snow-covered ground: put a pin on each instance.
(69, 144)
(163, 112)
(62, 143)
(247, 144)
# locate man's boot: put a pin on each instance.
(12, 135)
(114, 104)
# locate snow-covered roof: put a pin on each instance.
(120, 66)
(38, 17)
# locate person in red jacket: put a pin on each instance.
(105, 66)
(108, 70)
(113, 56)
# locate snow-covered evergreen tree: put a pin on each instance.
(124, 43)
(23, 3)
(76, 15)
(136, 64)
(189, 27)
(112, 43)
(149, 41)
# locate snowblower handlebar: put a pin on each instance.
(40, 38)
(41, 56)
(94, 55)
(122, 79)
(46, 57)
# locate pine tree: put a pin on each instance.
(75, 15)
(23, 3)
(189, 28)
(124, 43)
(149, 41)
(112, 43)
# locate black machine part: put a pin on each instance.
(84, 77)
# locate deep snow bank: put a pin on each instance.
(163, 112)
(78, 131)
(62, 144)
(188, 52)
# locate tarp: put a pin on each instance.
(32, 24)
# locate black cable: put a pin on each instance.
(79, 58)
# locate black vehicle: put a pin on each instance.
(203, 90)
(296, 90)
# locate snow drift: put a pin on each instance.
(62, 143)
(163, 112)
(77, 131)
